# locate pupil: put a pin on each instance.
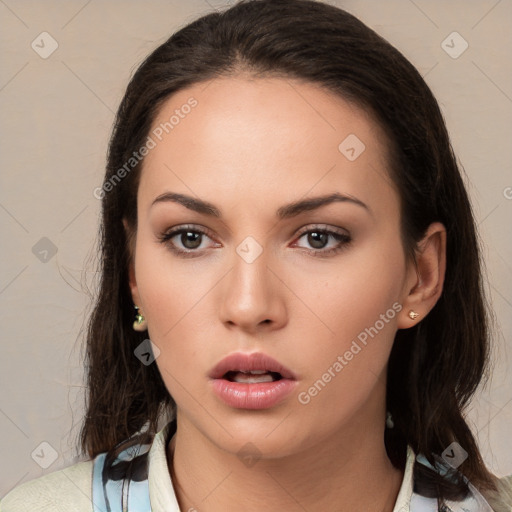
(317, 240)
(193, 238)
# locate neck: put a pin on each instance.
(350, 471)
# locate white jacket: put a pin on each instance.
(70, 489)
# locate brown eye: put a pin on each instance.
(191, 239)
(185, 240)
(318, 240)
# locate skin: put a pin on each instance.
(250, 146)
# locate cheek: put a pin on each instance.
(175, 299)
(347, 368)
(358, 306)
(352, 295)
(169, 288)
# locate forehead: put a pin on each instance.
(272, 137)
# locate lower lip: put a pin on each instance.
(253, 396)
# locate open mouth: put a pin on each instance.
(252, 377)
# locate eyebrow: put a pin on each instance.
(284, 212)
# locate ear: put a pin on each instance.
(131, 265)
(425, 278)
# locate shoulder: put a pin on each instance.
(66, 490)
(501, 499)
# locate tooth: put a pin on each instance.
(253, 372)
(247, 378)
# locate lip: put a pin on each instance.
(250, 362)
(261, 395)
(253, 396)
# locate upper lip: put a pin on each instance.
(240, 361)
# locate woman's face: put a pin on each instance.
(319, 289)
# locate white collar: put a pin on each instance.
(163, 498)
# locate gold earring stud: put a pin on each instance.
(140, 323)
(413, 315)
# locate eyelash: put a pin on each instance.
(343, 240)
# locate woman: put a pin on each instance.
(284, 218)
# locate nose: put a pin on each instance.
(253, 296)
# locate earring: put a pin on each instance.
(140, 323)
(389, 420)
(413, 315)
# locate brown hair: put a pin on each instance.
(435, 366)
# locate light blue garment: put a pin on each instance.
(109, 487)
(107, 492)
(474, 502)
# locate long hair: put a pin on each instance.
(435, 366)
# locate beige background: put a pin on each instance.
(56, 118)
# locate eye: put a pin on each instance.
(184, 240)
(319, 237)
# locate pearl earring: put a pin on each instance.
(140, 324)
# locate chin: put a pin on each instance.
(260, 434)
